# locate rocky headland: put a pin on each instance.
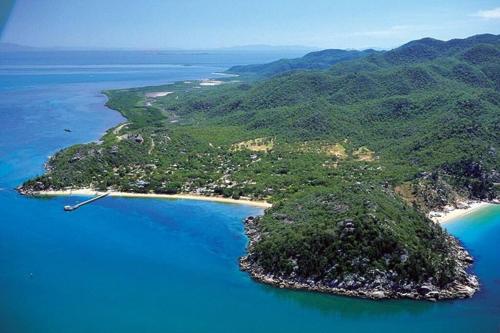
(377, 285)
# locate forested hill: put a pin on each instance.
(414, 51)
(352, 157)
(314, 60)
(429, 49)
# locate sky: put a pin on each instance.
(204, 24)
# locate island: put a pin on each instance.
(353, 150)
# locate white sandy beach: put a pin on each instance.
(451, 213)
(445, 216)
(90, 192)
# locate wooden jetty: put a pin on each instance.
(71, 208)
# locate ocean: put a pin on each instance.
(128, 264)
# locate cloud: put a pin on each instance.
(491, 14)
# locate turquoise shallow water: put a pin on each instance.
(129, 265)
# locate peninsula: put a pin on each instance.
(352, 149)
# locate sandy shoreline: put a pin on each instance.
(451, 213)
(445, 216)
(90, 192)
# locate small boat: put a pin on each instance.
(67, 130)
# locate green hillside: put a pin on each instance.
(314, 60)
(352, 157)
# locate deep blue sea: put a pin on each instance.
(143, 265)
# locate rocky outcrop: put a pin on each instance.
(33, 188)
(376, 285)
(137, 138)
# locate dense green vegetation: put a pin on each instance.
(351, 156)
(354, 232)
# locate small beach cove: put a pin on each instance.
(451, 214)
(173, 264)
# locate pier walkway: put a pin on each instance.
(71, 208)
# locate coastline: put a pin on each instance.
(459, 289)
(90, 192)
(464, 286)
(450, 213)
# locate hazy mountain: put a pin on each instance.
(12, 47)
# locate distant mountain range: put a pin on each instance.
(11, 47)
(414, 51)
(263, 47)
